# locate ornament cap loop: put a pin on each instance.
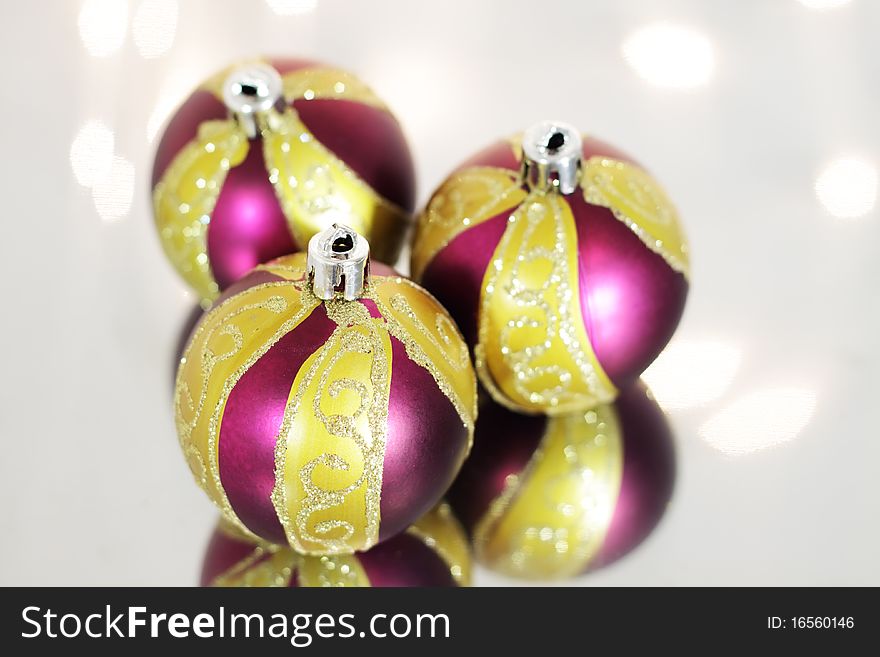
(338, 263)
(552, 153)
(252, 93)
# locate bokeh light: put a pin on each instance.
(114, 192)
(91, 152)
(763, 418)
(692, 373)
(847, 187)
(154, 27)
(102, 26)
(669, 55)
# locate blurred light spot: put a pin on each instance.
(102, 25)
(847, 187)
(603, 300)
(668, 55)
(91, 152)
(692, 373)
(821, 5)
(292, 7)
(762, 419)
(113, 193)
(154, 27)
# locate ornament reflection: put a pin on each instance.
(546, 498)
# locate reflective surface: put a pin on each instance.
(758, 118)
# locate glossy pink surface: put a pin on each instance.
(631, 299)
(183, 127)
(499, 154)
(424, 448)
(368, 140)
(247, 225)
(222, 553)
(405, 561)
(251, 421)
(455, 275)
(649, 468)
(504, 442)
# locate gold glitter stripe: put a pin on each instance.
(636, 199)
(305, 84)
(330, 450)
(551, 521)
(338, 570)
(227, 342)
(328, 84)
(335, 570)
(439, 530)
(184, 199)
(533, 353)
(431, 340)
(269, 566)
(466, 199)
(290, 267)
(315, 189)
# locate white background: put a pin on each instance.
(759, 116)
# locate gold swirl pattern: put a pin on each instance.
(184, 199)
(637, 200)
(431, 340)
(466, 199)
(273, 565)
(551, 520)
(327, 487)
(226, 343)
(316, 189)
(533, 352)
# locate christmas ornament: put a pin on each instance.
(553, 497)
(432, 552)
(563, 262)
(267, 153)
(321, 406)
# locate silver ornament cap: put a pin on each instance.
(252, 93)
(338, 263)
(552, 153)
